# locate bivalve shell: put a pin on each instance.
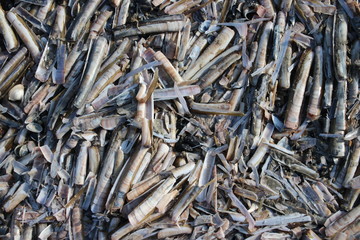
(16, 93)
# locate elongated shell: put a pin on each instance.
(11, 42)
(97, 55)
(296, 101)
(216, 47)
(149, 204)
(26, 35)
(77, 26)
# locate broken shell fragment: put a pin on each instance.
(34, 127)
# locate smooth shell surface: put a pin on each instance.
(16, 93)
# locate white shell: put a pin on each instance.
(16, 93)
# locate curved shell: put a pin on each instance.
(17, 92)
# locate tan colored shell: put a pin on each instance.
(296, 101)
(215, 48)
(11, 42)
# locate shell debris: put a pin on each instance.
(179, 119)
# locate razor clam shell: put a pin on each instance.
(179, 119)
